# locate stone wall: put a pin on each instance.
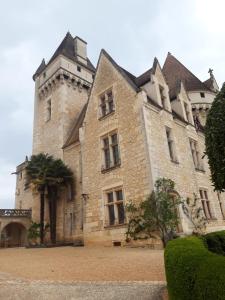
(133, 173)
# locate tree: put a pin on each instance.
(215, 140)
(158, 213)
(194, 212)
(47, 175)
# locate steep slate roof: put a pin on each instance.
(66, 48)
(40, 68)
(143, 78)
(209, 83)
(175, 71)
(172, 69)
(73, 136)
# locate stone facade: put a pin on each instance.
(118, 137)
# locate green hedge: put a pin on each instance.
(215, 242)
(193, 272)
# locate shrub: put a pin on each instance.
(194, 273)
(215, 242)
(156, 214)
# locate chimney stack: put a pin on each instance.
(80, 49)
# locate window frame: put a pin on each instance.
(221, 204)
(206, 203)
(195, 152)
(171, 145)
(48, 110)
(108, 104)
(115, 203)
(187, 112)
(163, 98)
(113, 159)
(202, 94)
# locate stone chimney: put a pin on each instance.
(80, 49)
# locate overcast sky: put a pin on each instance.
(133, 32)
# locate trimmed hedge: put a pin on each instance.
(215, 242)
(193, 272)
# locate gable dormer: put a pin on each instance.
(181, 104)
(154, 84)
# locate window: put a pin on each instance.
(44, 75)
(115, 213)
(110, 150)
(69, 192)
(171, 145)
(196, 155)
(103, 106)
(71, 224)
(106, 104)
(49, 110)
(187, 112)
(162, 96)
(78, 68)
(202, 95)
(205, 203)
(222, 208)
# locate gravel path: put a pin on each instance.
(81, 273)
(84, 264)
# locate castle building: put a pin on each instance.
(119, 133)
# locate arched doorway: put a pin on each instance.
(14, 235)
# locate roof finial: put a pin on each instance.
(210, 72)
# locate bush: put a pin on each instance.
(194, 273)
(215, 242)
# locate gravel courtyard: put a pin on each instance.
(81, 273)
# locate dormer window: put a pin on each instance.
(106, 104)
(171, 145)
(202, 95)
(162, 96)
(44, 74)
(187, 112)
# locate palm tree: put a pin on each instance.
(47, 174)
(60, 176)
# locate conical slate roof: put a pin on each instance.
(66, 48)
(40, 68)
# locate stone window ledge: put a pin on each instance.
(106, 115)
(175, 161)
(115, 226)
(199, 170)
(110, 168)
